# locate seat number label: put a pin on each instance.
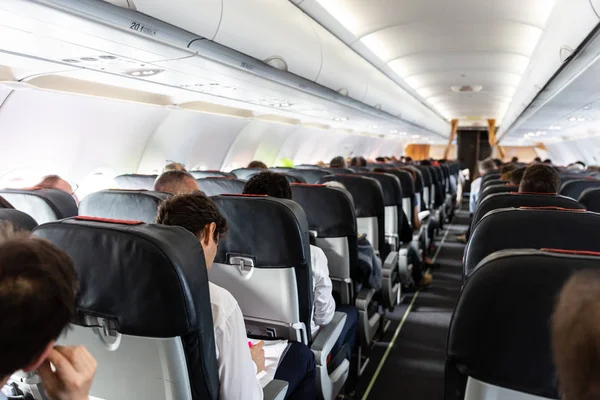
(145, 29)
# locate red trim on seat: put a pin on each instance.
(129, 190)
(536, 193)
(573, 252)
(553, 208)
(243, 195)
(309, 184)
(216, 177)
(32, 188)
(107, 220)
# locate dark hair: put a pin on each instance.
(537, 159)
(514, 160)
(170, 181)
(4, 203)
(517, 176)
(49, 181)
(337, 162)
(408, 159)
(270, 183)
(425, 162)
(380, 159)
(547, 161)
(38, 290)
(257, 164)
(498, 162)
(379, 169)
(358, 162)
(540, 178)
(507, 168)
(192, 212)
(575, 332)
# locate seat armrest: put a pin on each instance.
(390, 264)
(364, 298)
(275, 390)
(424, 214)
(327, 337)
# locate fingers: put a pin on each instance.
(46, 374)
(61, 363)
(80, 359)
(259, 345)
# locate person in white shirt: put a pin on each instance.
(238, 364)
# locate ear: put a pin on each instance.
(40, 359)
(209, 232)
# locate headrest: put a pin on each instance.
(217, 186)
(246, 173)
(147, 280)
(406, 181)
(517, 228)
(329, 210)
(123, 205)
(574, 189)
(515, 199)
(136, 182)
(340, 171)
(419, 181)
(293, 178)
(392, 190)
(43, 205)
(491, 175)
(498, 189)
(500, 333)
(425, 174)
(18, 219)
(210, 174)
(366, 192)
(590, 198)
(310, 175)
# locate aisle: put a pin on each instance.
(414, 367)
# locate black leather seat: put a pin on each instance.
(499, 334)
(135, 182)
(310, 175)
(515, 199)
(211, 174)
(491, 175)
(575, 188)
(246, 173)
(18, 219)
(217, 186)
(408, 192)
(492, 182)
(143, 304)
(135, 205)
(537, 228)
(43, 205)
(590, 198)
(340, 170)
(497, 189)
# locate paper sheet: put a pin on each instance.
(274, 349)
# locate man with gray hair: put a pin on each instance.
(176, 182)
(484, 167)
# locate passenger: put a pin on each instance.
(56, 182)
(380, 160)
(237, 365)
(275, 185)
(484, 167)
(337, 162)
(548, 161)
(506, 172)
(4, 203)
(498, 162)
(408, 160)
(540, 178)
(517, 176)
(537, 160)
(358, 162)
(514, 160)
(176, 182)
(257, 164)
(403, 160)
(575, 334)
(38, 290)
(174, 166)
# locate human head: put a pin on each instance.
(270, 183)
(425, 162)
(498, 162)
(486, 165)
(548, 161)
(4, 203)
(540, 178)
(174, 166)
(516, 176)
(514, 160)
(402, 159)
(575, 336)
(537, 160)
(358, 162)
(56, 182)
(337, 162)
(379, 169)
(176, 182)
(408, 159)
(257, 164)
(38, 289)
(198, 214)
(506, 171)
(380, 159)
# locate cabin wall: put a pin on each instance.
(583, 149)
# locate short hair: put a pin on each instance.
(173, 182)
(48, 181)
(270, 183)
(193, 212)
(425, 162)
(487, 165)
(174, 166)
(498, 162)
(576, 336)
(4, 203)
(514, 160)
(409, 159)
(380, 159)
(358, 162)
(337, 162)
(547, 161)
(257, 164)
(38, 290)
(508, 168)
(540, 178)
(537, 159)
(516, 176)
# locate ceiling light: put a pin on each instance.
(394, 131)
(144, 72)
(282, 105)
(416, 136)
(555, 127)
(572, 119)
(580, 119)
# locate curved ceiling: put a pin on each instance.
(435, 45)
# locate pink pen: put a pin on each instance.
(250, 344)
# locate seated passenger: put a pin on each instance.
(548, 161)
(237, 364)
(337, 162)
(498, 162)
(506, 172)
(275, 185)
(484, 166)
(5, 204)
(175, 182)
(575, 334)
(257, 164)
(540, 178)
(358, 162)
(38, 289)
(514, 160)
(56, 182)
(537, 160)
(174, 166)
(516, 176)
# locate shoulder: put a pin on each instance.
(317, 254)
(223, 304)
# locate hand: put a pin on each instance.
(72, 380)
(258, 356)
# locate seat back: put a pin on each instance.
(43, 205)
(216, 186)
(310, 175)
(265, 262)
(500, 333)
(136, 205)
(515, 199)
(492, 175)
(418, 186)
(427, 193)
(497, 189)
(332, 220)
(135, 182)
(536, 228)
(590, 199)
(340, 170)
(246, 173)
(408, 192)
(368, 203)
(211, 174)
(143, 308)
(574, 189)
(492, 182)
(293, 178)
(18, 219)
